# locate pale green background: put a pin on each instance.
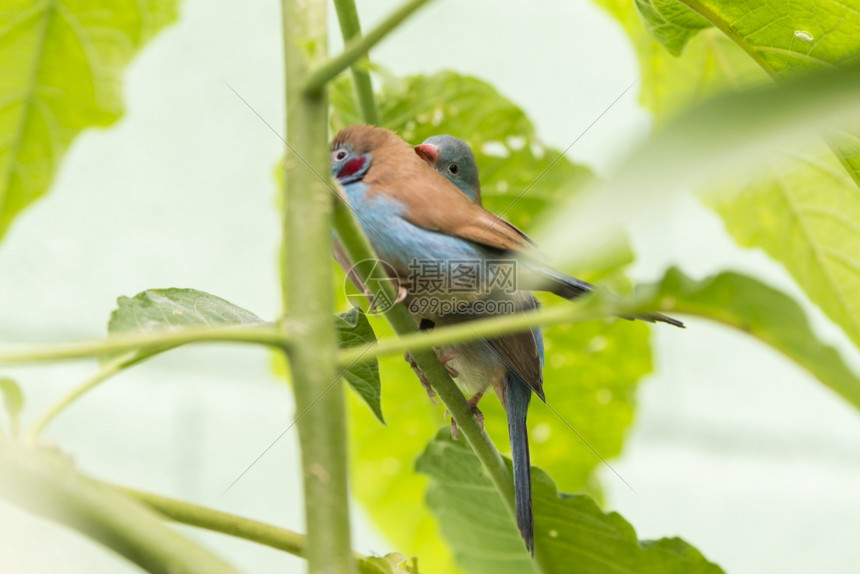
(734, 449)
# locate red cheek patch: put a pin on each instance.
(351, 167)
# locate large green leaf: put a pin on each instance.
(62, 63)
(591, 370)
(781, 36)
(803, 210)
(798, 208)
(747, 304)
(571, 533)
(711, 63)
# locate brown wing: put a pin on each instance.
(434, 203)
(520, 353)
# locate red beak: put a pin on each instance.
(428, 152)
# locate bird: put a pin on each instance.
(412, 213)
(454, 159)
(511, 364)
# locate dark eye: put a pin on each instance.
(339, 154)
(453, 169)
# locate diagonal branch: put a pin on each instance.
(358, 249)
(355, 50)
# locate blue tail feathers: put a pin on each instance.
(517, 397)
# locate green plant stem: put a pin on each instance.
(262, 335)
(356, 49)
(46, 483)
(308, 298)
(217, 521)
(482, 328)
(358, 249)
(350, 28)
(107, 370)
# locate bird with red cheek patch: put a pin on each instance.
(414, 216)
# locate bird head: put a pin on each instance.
(352, 150)
(454, 159)
(347, 166)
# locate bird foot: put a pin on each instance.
(479, 416)
(447, 356)
(424, 382)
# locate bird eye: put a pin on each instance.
(453, 169)
(339, 154)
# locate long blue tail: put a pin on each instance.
(517, 397)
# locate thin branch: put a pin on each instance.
(481, 328)
(355, 50)
(350, 28)
(217, 521)
(105, 372)
(258, 334)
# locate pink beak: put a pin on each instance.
(428, 152)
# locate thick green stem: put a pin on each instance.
(357, 49)
(347, 16)
(261, 335)
(308, 297)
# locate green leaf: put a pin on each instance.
(13, 401)
(174, 309)
(670, 22)
(787, 36)
(739, 128)
(803, 210)
(763, 312)
(354, 329)
(393, 563)
(63, 64)
(591, 371)
(711, 64)
(799, 208)
(571, 532)
(46, 483)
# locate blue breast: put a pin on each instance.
(397, 241)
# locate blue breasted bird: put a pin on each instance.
(453, 158)
(410, 212)
(502, 362)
